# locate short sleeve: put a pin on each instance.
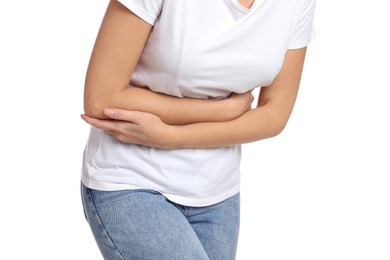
(304, 31)
(147, 10)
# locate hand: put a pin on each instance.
(133, 127)
(241, 103)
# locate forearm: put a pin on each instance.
(174, 110)
(257, 124)
(171, 110)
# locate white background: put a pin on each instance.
(320, 190)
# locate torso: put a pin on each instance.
(236, 46)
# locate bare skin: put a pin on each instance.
(160, 123)
(246, 3)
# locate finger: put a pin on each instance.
(87, 119)
(90, 120)
(123, 115)
(107, 125)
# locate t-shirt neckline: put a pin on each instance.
(242, 8)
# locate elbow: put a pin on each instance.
(94, 111)
(276, 124)
(93, 101)
(272, 130)
(278, 129)
(94, 107)
(98, 97)
(277, 120)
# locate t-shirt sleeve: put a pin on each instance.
(147, 10)
(304, 31)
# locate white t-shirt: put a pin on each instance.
(200, 49)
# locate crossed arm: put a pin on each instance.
(154, 119)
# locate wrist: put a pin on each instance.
(171, 138)
(230, 110)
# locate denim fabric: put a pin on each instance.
(144, 225)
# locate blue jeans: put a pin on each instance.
(144, 225)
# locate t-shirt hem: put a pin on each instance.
(301, 44)
(202, 202)
(185, 201)
(139, 11)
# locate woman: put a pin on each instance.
(160, 177)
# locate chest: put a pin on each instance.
(213, 45)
